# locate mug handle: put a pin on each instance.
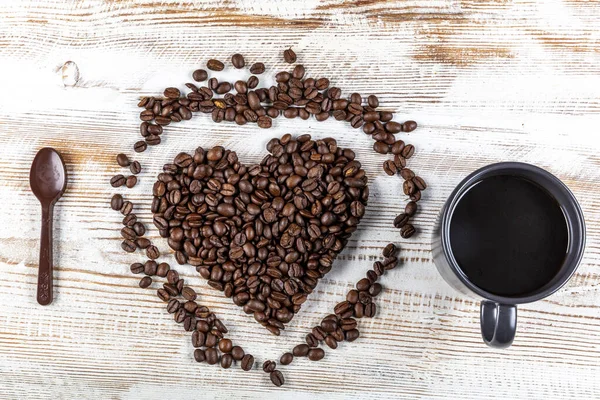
(498, 323)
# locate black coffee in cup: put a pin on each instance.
(508, 235)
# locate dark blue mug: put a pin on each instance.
(499, 313)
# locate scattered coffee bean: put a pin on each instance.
(152, 252)
(407, 231)
(215, 65)
(269, 366)
(122, 160)
(301, 350)
(140, 146)
(247, 362)
(277, 378)
(130, 181)
(135, 167)
(116, 202)
(316, 354)
(238, 61)
(117, 180)
(286, 359)
(145, 282)
(137, 268)
(200, 75)
(257, 68)
(289, 56)
(409, 126)
(128, 245)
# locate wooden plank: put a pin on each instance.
(487, 81)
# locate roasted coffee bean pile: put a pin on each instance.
(208, 332)
(295, 95)
(263, 234)
(342, 325)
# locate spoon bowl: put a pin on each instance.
(48, 181)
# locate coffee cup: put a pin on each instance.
(510, 233)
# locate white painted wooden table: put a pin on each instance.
(486, 80)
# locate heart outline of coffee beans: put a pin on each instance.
(263, 234)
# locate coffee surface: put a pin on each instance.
(508, 235)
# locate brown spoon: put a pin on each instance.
(48, 181)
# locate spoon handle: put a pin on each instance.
(44, 289)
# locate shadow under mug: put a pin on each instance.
(499, 313)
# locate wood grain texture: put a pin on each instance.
(486, 80)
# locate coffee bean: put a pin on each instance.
(400, 161)
(416, 196)
(122, 160)
(128, 246)
(328, 325)
(117, 180)
(375, 289)
(381, 147)
(269, 366)
(407, 174)
(277, 378)
(135, 167)
(356, 98)
(199, 355)
(419, 183)
(145, 282)
(237, 353)
(116, 202)
(264, 122)
(252, 82)
(352, 296)
(200, 75)
(226, 361)
(318, 333)
(172, 93)
(238, 61)
(286, 359)
(212, 356)
(126, 208)
(411, 208)
(257, 68)
(331, 342)
(370, 310)
(247, 362)
(316, 354)
(130, 181)
(215, 65)
(137, 268)
(152, 252)
(401, 220)
(189, 294)
(128, 233)
(389, 167)
(300, 350)
(393, 127)
(409, 187)
(409, 126)
(397, 147)
(311, 340)
(363, 284)
(407, 231)
(140, 146)
(298, 71)
(408, 151)
(352, 335)
(163, 295)
(225, 345)
(289, 56)
(373, 101)
(348, 324)
(389, 249)
(173, 306)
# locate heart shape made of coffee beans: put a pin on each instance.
(263, 234)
